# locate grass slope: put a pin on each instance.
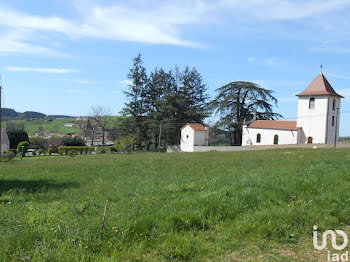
(56, 125)
(236, 206)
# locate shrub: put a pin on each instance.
(25, 145)
(53, 143)
(102, 150)
(17, 136)
(64, 150)
(40, 151)
(72, 153)
(7, 156)
(34, 153)
(124, 144)
(37, 142)
(49, 151)
(73, 141)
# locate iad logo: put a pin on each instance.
(332, 234)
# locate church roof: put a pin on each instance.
(273, 124)
(319, 86)
(195, 127)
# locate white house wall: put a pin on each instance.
(200, 138)
(187, 139)
(313, 121)
(285, 137)
(331, 129)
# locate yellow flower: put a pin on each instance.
(86, 246)
(269, 222)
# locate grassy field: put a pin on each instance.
(236, 206)
(55, 126)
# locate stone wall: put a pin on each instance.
(339, 145)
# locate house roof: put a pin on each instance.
(195, 127)
(319, 86)
(273, 124)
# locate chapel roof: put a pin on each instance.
(195, 127)
(319, 86)
(273, 124)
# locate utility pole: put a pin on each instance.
(336, 129)
(160, 134)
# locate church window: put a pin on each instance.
(312, 103)
(258, 138)
(275, 140)
(333, 120)
(333, 104)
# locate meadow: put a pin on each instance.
(214, 206)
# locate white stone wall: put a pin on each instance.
(187, 139)
(285, 137)
(313, 121)
(201, 138)
(331, 129)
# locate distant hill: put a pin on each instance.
(11, 114)
(8, 112)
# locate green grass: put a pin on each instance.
(235, 206)
(56, 126)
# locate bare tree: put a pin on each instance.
(101, 115)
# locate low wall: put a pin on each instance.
(262, 147)
(173, 149)
(218, 148)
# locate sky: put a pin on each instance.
(64, 56)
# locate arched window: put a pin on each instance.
(312, 103)
(309, 140)
(333, 104)
(275, 140)
(258, 138)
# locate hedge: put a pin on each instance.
(64, 150)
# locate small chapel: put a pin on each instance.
(317, 120)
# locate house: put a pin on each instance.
(193, 135)
(5, 141)
(317, 120)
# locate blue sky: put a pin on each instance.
(62, 57)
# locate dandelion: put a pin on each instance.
(86, 246)
(269, 222)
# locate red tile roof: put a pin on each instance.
(195, 127)
(273, 124)
(319, 86)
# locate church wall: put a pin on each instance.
(285, 137)
(313, 121)
(200, 138)
(331, 129)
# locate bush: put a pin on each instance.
(17, 136)
(34, 153)
(102, 150)
(40, 151)
(73, 141)
(124, 144)
(72, 153)
(25, 145)
(49, 151)
(37, 142)
(53, 143)
(7, 156)
(65, 150)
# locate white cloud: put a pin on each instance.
(39, 70)
(251, 60)
(126, 82)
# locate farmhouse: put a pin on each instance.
(317, 120)
(5, 141)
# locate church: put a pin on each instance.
(317, 120)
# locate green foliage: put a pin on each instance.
(73, 141)
(214, 206)
(239, 101)
(72, 153)
(168, 99)
(64, 150)
(124, 144)
(40, 151)
(25, 145)
(37, 142)
(7, 156)
(34, 152)
(17, 136)
(49, 151)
